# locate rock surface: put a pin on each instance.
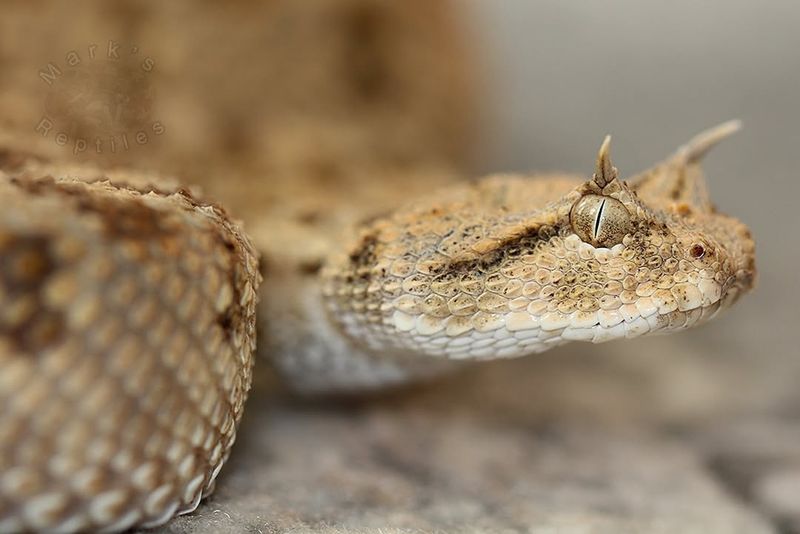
(432, 460)
(759, 459)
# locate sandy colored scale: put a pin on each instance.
(127, 330)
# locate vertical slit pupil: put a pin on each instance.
(596, 228)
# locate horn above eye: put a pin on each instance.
(599, 220)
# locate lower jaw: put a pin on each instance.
(682, 320)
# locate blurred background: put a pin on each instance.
(696, 432)
(562, 76)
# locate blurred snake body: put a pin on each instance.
(128, 312)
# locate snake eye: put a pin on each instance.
(600, 220)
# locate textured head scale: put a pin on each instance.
(513, 265)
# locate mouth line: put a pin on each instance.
(518, 333)
(639, 325)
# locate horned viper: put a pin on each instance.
(128, 311)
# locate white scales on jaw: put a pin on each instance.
(513, 265)
(137, 307)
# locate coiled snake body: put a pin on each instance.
(128, 312)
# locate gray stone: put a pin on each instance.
(778, 494)
(424, 461)
(759, 459)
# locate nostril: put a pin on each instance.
(697, 250)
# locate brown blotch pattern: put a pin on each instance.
(127, 331)
(26, 320)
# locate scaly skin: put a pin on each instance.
(513, 265)
(127, 330)
(127, 312)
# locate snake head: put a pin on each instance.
(512, 265)
(665, 254)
